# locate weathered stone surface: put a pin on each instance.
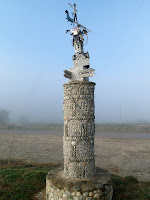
(70, 197)
(66, 188)
(73, 193)
(85, 194)
(76, 198)
(80, 61)
(91, 194)
(89, 198)
(78, 194)
(79, 129)
(99, 186)
(59, 195)
(82, 198)
(76, 188)
(96, 196)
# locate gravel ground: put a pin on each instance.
(122, 156)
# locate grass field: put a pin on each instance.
(20, 181)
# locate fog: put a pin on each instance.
(39, 98)
(34, 51)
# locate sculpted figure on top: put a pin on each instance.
(81, 70)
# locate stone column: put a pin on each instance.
(79, 129)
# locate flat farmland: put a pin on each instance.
(124, 153)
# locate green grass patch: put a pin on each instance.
(20, 181)
(129, 188)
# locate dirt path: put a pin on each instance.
(121, 156)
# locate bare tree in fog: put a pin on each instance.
(4, 117)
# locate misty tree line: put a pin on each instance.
(4, 117)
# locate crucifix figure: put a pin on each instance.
(81, 70)
(75, 11)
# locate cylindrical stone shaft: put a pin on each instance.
(79, 129)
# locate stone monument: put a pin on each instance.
(79, 179)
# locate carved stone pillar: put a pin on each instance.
(79, 129)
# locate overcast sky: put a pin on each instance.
(34, 51)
